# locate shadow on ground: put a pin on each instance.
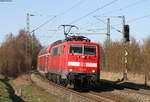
(107, 85)
(11, 91)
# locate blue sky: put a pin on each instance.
(13, 17)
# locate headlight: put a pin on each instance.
(83, 56)
(93, 71)
(70, 69)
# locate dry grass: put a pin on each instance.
(135, 78)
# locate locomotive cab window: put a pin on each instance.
(83, 49)
(89, 50)
(76, 49)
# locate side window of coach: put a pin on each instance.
(59, 50)
(51, 52)
(56, 51)
(63, 49)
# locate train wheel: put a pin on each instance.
(55, 78)
(76, 84)
(64, 82)
(58, 79)
(49, 77)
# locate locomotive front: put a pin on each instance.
(83, 63)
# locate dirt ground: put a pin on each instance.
(30, 92)
(135, 78)
(22, 80)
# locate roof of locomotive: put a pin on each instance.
(82, 42)
(74, 42)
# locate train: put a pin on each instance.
(73, 62)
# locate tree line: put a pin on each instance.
(138, 58)
(14, 57)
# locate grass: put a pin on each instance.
(31, 93)
(4, 93)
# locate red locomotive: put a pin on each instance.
(73, 61)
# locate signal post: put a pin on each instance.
(125, 32)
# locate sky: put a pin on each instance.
(90, 16)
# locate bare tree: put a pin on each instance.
(13, 60)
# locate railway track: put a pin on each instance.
(132, 93)
(126, 88)
(71, 95)
(104, 97)
(141, 92)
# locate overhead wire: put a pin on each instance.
(130, 21)
(135, 19)
(138, 18)
(69, 9)
(46, 22)
(110, 25)
(91, 24)
(51, 36)
(93, 29)
(74, 6)
(96, 29)
(125, 7)
(78, 19)
(128, 6)
(63, 13)
(106, 5)
(87, 25)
